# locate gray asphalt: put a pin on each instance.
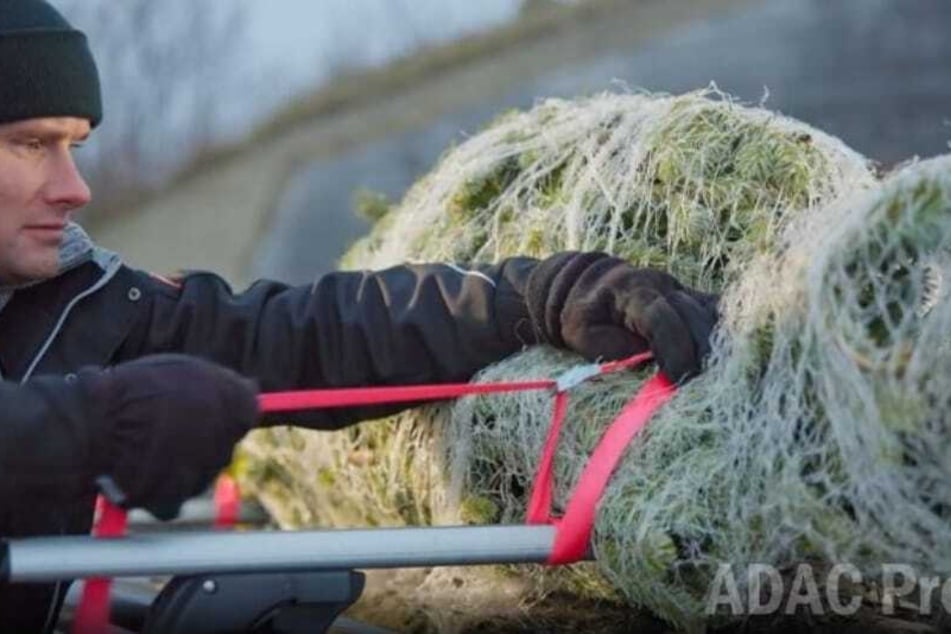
(876, 73)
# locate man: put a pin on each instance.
(162, 421)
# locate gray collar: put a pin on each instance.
(76, 250)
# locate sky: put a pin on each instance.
(293, 44)
(284, 49)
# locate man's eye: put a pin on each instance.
(33, 145)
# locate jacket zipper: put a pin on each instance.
(109, 273)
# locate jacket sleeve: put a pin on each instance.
(51, 439)
(429, 323)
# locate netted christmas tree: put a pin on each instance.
(819, 432)
(808, 423)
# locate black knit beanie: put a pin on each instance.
(46, 68)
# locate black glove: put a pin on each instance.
(172, 422)
(603, 308)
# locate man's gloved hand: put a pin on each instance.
(170, 425)
(603, 308)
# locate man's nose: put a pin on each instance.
(66, 189)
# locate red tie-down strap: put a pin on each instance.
(92, 613)
(574, 528)
(540, 499)
(354, 396)
(227, 499)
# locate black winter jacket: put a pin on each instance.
(408, 324)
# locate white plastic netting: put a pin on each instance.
(685, 183)
(728, 198)
(820, 432)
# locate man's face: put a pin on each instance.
(39, 188)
